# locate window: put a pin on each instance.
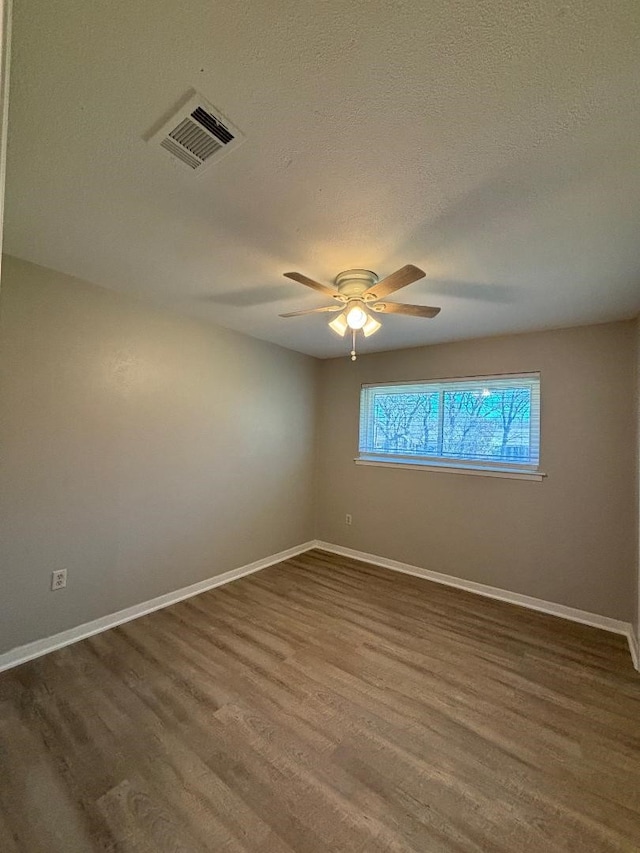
(484, 424)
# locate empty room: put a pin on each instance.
(320, 426)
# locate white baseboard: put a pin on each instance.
(22, 654)
(616, 626)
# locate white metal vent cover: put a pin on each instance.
(196, 135)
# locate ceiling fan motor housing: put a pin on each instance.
(353, 283)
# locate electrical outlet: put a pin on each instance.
(58, 579)
(347, 518)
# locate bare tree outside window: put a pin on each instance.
(406, 423)
(487, 423)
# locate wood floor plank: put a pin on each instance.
(326, 705)
(38, 809)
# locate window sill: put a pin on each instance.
(474, 470)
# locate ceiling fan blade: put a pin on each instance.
(399, 278)
(314, 311)
(401, 308)
(315, 285)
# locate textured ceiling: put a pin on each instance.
(494, 144)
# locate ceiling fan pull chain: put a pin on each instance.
(353, 344)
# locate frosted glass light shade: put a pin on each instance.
(339, 325)
(371, 326)
(356, 317)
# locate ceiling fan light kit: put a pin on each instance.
(358, 292)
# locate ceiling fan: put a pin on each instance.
(358, 292)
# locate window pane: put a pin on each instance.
(488, 423)
(491, 421)
(406, 423)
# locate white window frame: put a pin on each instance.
(450, 464)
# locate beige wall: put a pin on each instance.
(637, 613)
(140, 450)
(570, 539)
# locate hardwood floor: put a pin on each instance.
(325, 705)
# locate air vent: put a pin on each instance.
(196, 135)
